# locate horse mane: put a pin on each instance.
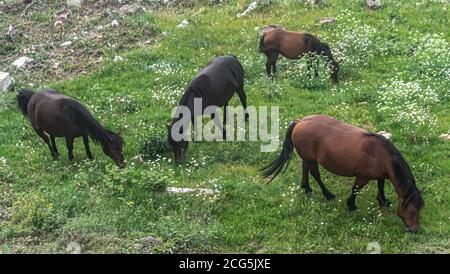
(402, 172)
(82, 118)
(23, 98)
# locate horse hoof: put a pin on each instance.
(352, 208)
(309, 193)
(330, 197)
(384, 203)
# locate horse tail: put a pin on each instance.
(23, 98)
(282, 162)
(261, 43)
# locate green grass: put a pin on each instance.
(46, 204)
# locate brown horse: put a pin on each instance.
(57, 115)
(295, 45)
(347, 150)
(214, 85)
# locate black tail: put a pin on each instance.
(261, 43)
(23, 98)
(276, 166)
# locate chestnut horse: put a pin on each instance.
(347, 150)
(56, 115)
(214, 85)
(294, 45)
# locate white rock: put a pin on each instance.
(187, 190)
(385, 134)
(74, 248)
(74, 3)
(373, 4)
(373, 248)
(66, 44)
(114, 23)
(118, 58)
(6, 81)
(183, 24)
(129, 9)
(249, 9)
(22, 62)
(327, 20)
(445, 136)
(11, 31)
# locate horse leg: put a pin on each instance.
(314, 169)
(44, 137)
(305, 178)
(359, 184)
(316, 68)
(69, 144)
(268, 67)
(55, 149)
(243, 99)
(86, 146)
(309, 67)
(380, 196)
(273, 61)
(224, 121)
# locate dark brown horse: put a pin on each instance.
(214, 85)
(295, 45)
(56, 115)
(347, 150)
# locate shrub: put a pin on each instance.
(154, 145)
(120, 181)
(34, 210)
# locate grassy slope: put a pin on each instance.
(54, 202)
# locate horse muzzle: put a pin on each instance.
(412, 229)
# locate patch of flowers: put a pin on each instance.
(6, 172)
(408, 104)
(165, 68)
(167, 94)
(431, 58)
(356, 45)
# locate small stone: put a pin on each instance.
(74, 3)
(74, 248)
(6, 82)
(187, 190)
(138, 159)
(151, 240)
(249, 9)
(183, 24)
(385, 134)
(22, 62)
(114, 23)
(373, 4)
(373, 248)
(327, 20)
(66, 44)
(58, 24)
(129, 9)
(11, 32)
(445, 136)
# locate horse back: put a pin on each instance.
(47, 110)
(341, 148)
(218, 80)
(290, 44)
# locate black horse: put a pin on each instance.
(215, 85)
(57, 115)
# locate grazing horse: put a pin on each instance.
(215, 85)
(347, 150)
(57, 115)
(294, 45)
